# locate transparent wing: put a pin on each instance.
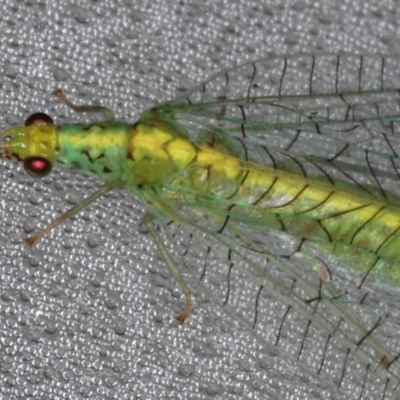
(293, 303)
(336, 110)
(331, 116)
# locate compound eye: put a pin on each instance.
(38, 119)
(37, 167)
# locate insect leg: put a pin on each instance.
(72, 211)
(81, 109)
(148, 220)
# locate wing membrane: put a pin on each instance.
(331, 117)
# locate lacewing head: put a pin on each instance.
(33, 145)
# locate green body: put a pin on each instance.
(361, 230)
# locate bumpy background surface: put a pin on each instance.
(89, 312)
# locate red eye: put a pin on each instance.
(38, 119)
(37, 167)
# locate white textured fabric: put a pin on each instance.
(89, 311)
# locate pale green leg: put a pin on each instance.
(81, 109)
(84, 203)
(148, 220)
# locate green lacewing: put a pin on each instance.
(286, 171)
